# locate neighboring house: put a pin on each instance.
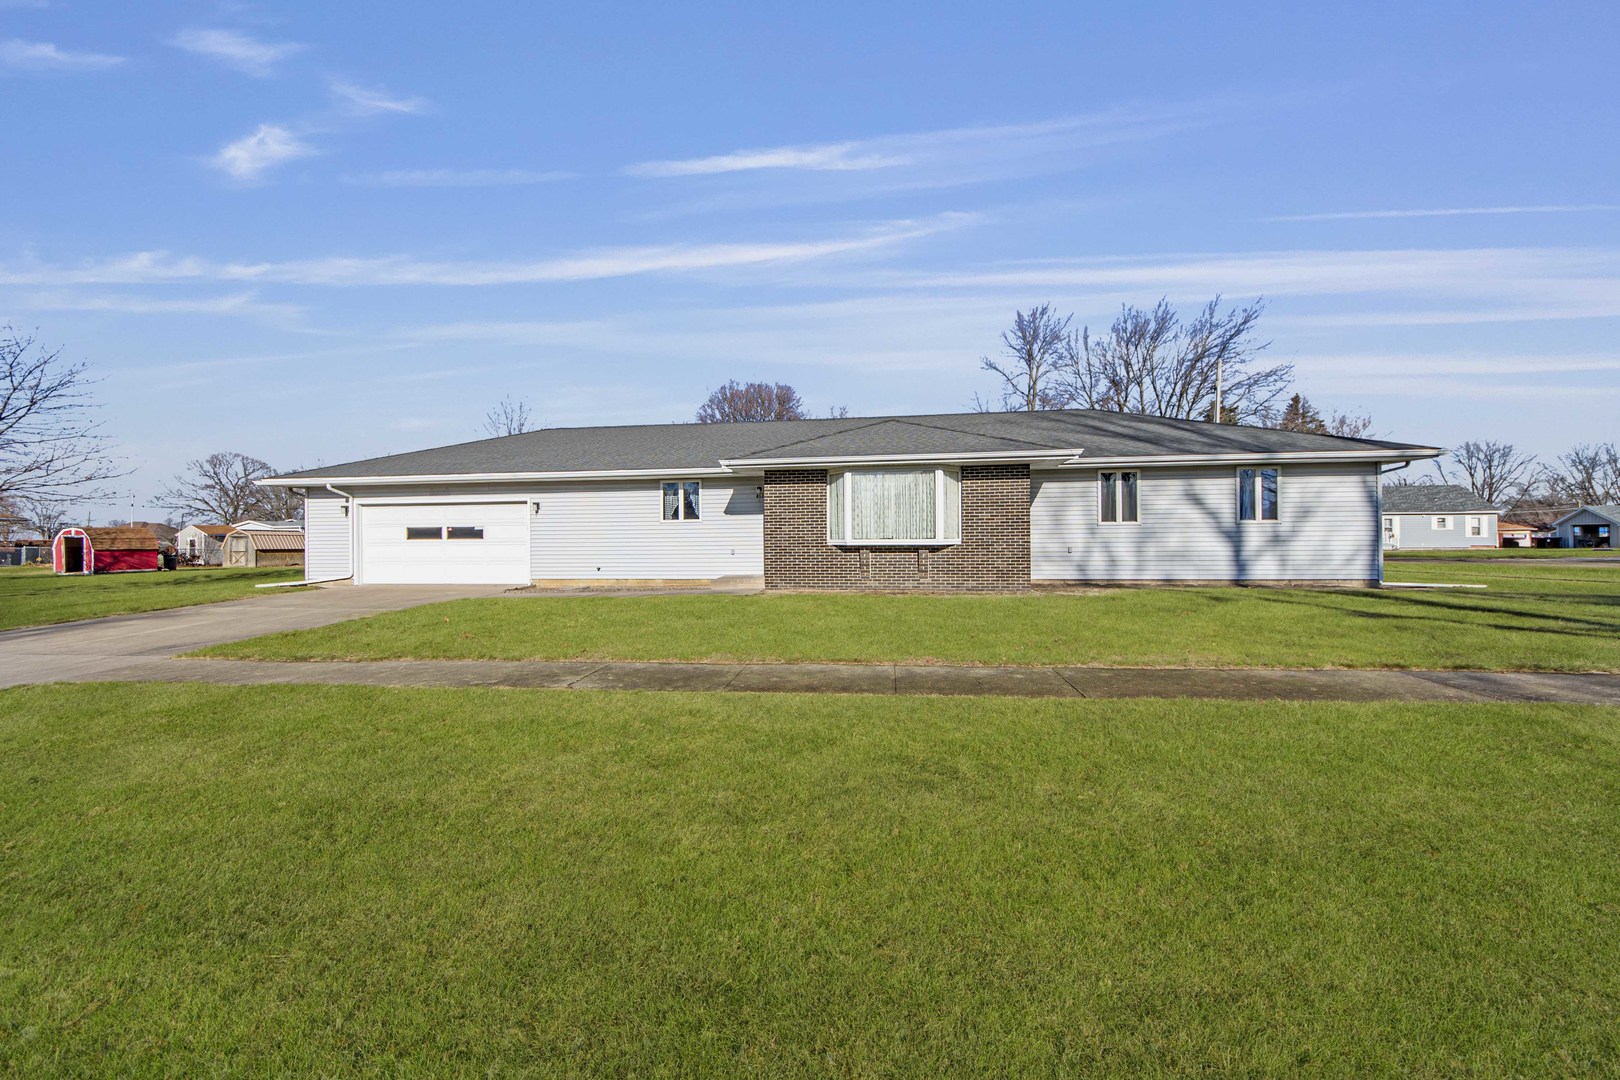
(287, 525)
(202, 544)
(264, 547)
(104, 551)
(1589, 527)
(1514, 534)
(972, 501)
(1423, 516)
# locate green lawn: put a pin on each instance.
(1532, 617)
(1504, 553)
(33, 596)
(341, 881)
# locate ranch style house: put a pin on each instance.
(969, 501)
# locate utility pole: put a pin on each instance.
(1217, 416)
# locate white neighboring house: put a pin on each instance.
(202, 544)
(961, 501)
(1589, 527)
(1429, 516)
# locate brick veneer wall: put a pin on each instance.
(992, 557)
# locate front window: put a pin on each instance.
(1442, 524)
(1116, 497)
(1258, 495)
(681, 499)
(894, 506)
(1476, 526)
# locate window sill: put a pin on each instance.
(893, 543)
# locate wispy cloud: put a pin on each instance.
(43, 57)
(1561, 282)
(953, 155)
(836, 157)
(160, 267)
(359, 101)
(455, 178)
(237, 304)
(237, 50)
(251, 156)
(1459, 211)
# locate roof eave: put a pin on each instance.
(489, 478)
(1054, 457)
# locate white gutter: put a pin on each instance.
(1257, 456)
(1055, 457)
(490, 478)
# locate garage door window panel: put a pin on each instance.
(423, 532)
(464, 532)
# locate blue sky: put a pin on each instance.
(318, 232)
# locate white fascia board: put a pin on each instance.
(494, 478)
(1307, 457)
(1049, 457)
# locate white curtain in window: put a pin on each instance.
(896, 504)
(835, 507)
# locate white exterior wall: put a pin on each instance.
(326, 537)
(1417, 531)
(615, 529)
(1328, 530)
(583, 529)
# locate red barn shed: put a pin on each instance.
(104, 551)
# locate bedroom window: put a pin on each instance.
(1257, 495)
(1116, 497)
(894, 506)
(1476, 526)
(1442, 524)
(681, 498)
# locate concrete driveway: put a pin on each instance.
(126, 644)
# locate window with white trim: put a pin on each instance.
(681, 498)
(1442, 523)
(1117, 497)
(1258, 494)
(894, 506)
(1476, 526)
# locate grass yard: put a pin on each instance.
(1531, 617)
(342, 881)
(33, 596)
(1407, 554)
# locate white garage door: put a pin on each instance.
(445, 543)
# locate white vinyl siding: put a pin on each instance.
(1328, 528)
(1419, 532)
(326, 537)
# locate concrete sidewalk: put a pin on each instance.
(1053, 682)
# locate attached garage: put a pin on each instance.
(444, 543)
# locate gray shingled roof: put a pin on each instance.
(1434, 499)
(696, 446)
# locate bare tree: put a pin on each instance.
(1032, 351)
(1588, 474)
(838, 412)
(47, 516)
(220, 487)
(755, 401)
(50, 448)
(509, 417)
(1495, 471)
(1350, 426)
(1149, 362)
